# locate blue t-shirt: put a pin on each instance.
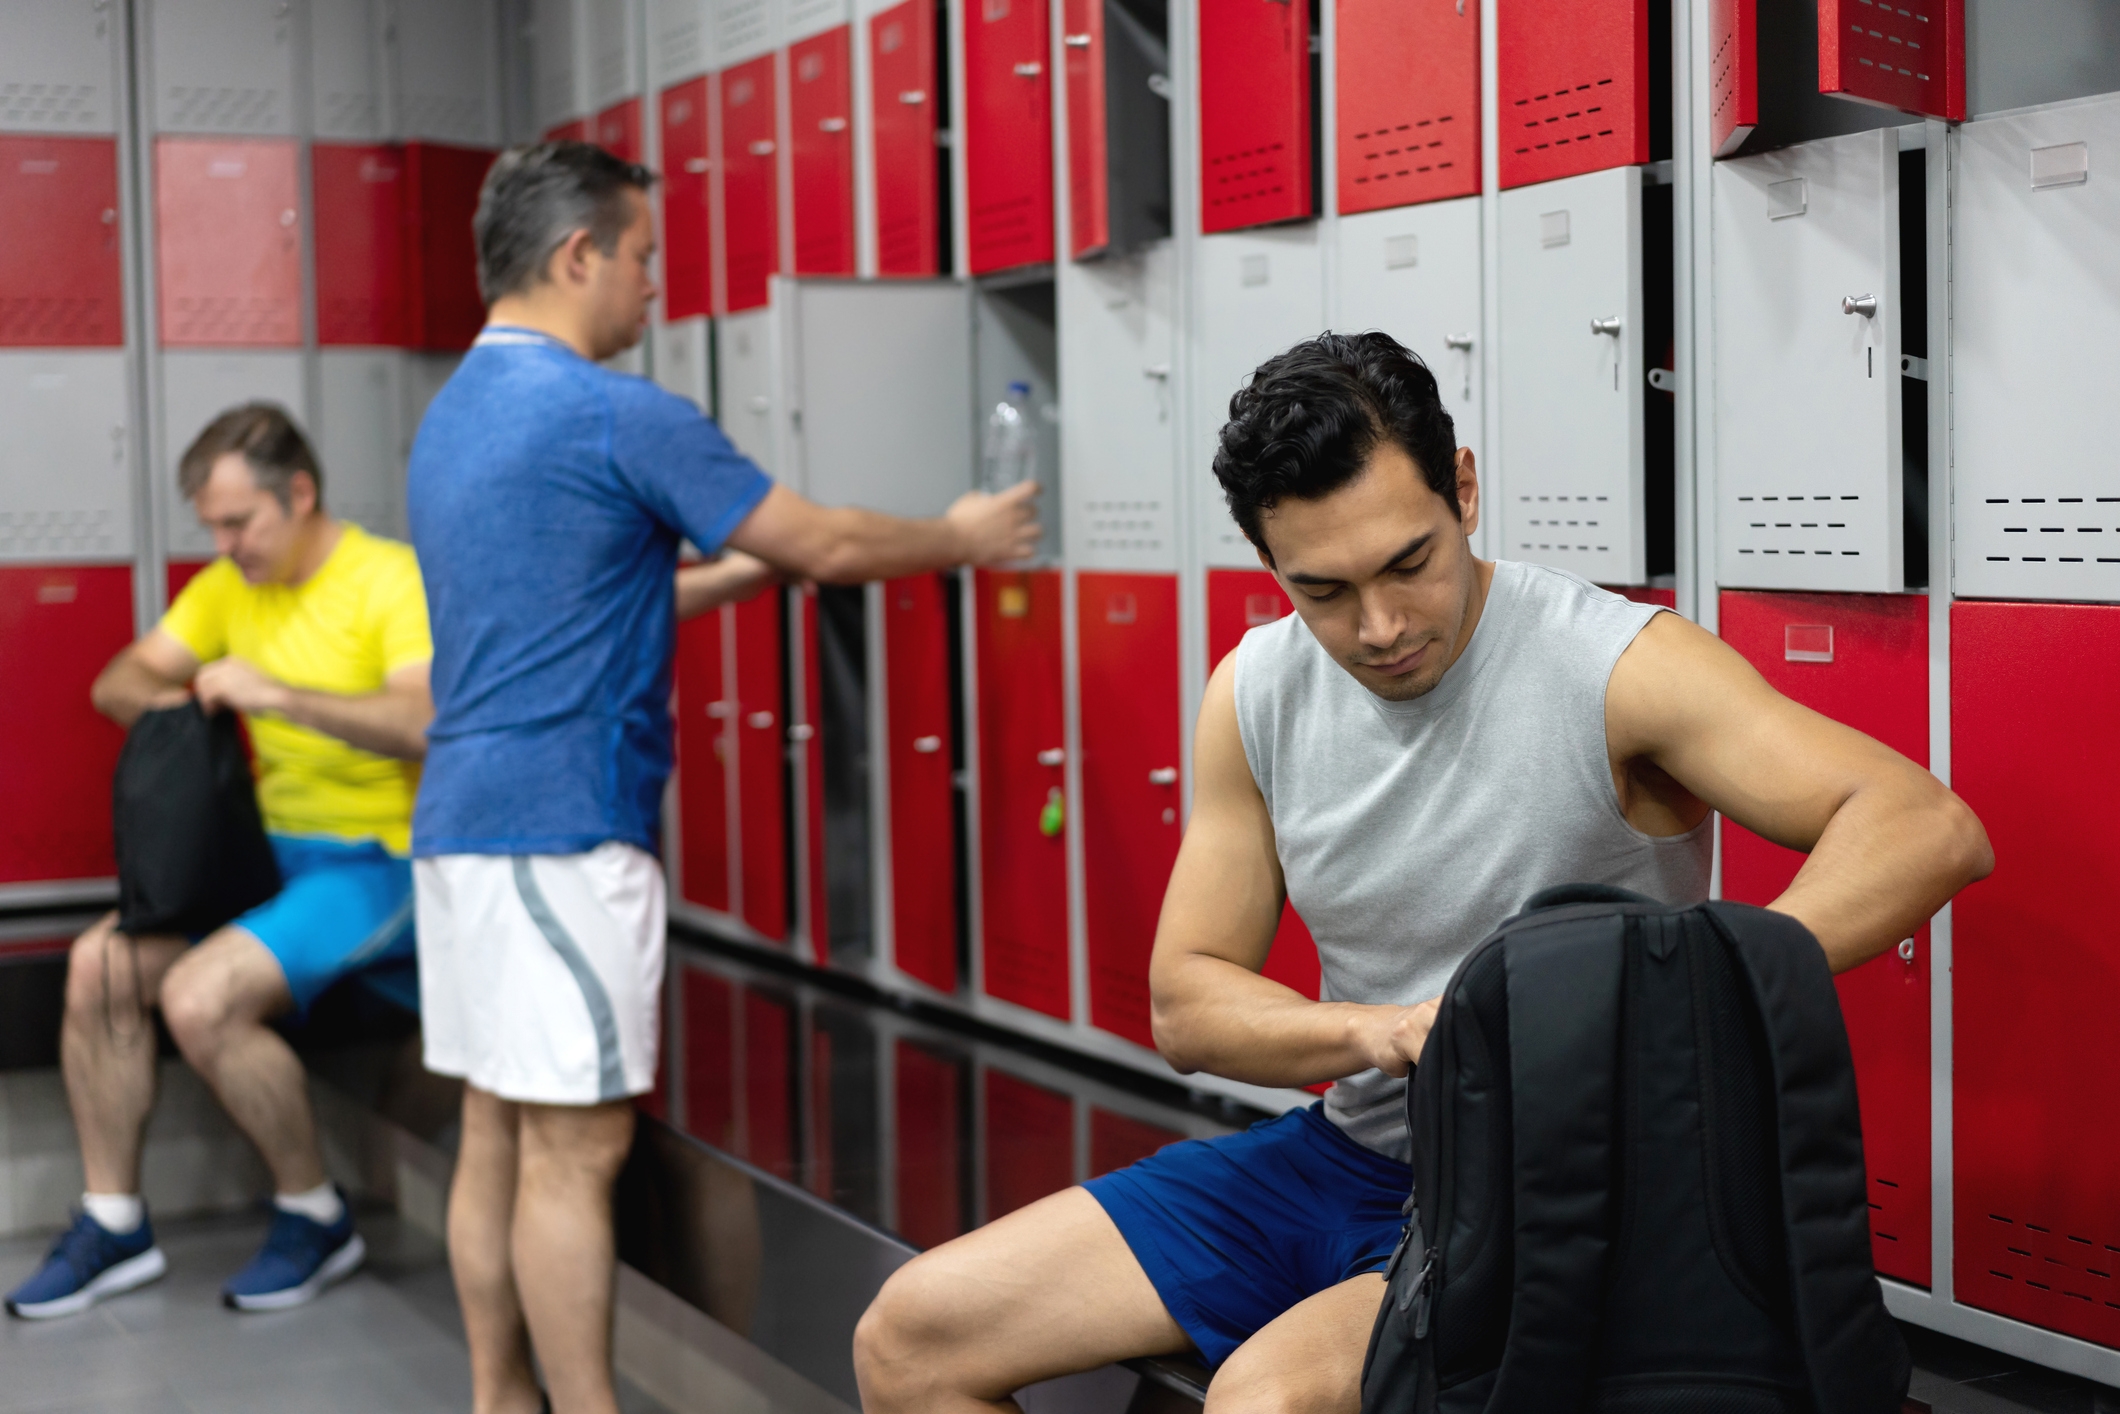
(547, 497)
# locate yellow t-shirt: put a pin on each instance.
(361, 617)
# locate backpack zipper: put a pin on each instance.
(1421, 1295)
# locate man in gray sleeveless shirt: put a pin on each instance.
(1429, 740)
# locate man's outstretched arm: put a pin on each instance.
(848, 545)
(1889, 844)
(1210, 1008)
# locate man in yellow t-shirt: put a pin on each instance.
(315, 631)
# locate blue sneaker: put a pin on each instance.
(299, 1259)
(86, 1264)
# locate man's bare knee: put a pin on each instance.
(579, 1141)
(1260, 1384)
(904, 1341)
(102, 976)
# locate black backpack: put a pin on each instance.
(192, 852)
(1638, 1178)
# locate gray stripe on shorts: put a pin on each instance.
(611, 1070)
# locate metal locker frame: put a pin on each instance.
(1118, 338)
(358, 438)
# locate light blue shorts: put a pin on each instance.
(343, 905)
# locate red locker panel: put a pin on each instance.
(1030, 1143)
(1908, 55)
(2036, 966)
(58, 628)
(1022, 851)
(769, 1083)
(1409, 102)
(576, 130)
(1254, 113)
(441, 259)
(228, 254)
(928, 1092)
(59, 284)
(821, 151)
(750, 183)
(178, 573)
(1861, 659)
(916, 650)
(1008, 133)
(904, 102)
(1733, 74)
(1116, 1140)
(617, 130)
(1573, 77)
(702, 764)
(761, 759)
(686, 250)
(1127, 625)
(1088, 193)
(360, 243)
(1644, 594)
(708, 1005)
(811, 736)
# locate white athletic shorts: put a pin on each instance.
(540, 975)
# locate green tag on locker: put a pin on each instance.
(1053, 818)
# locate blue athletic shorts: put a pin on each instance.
(1234, 1231)
(343, 905)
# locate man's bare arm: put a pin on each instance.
(1210, 1008)
(847, 545)
(153, 671)
(392, 722)
(1889, 844)
(710, 584)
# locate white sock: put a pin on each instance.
(320, 1204)
(116, 1213)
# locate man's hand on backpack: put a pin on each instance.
(1392, 1036)
(235, 684)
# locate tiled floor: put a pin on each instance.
(388, 1339)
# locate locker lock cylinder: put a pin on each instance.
(1864, 305)
(1605, 326)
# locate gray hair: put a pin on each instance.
(534, 198)
(268, 439)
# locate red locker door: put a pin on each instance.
(2035, 966)
(769, 1083)
(1088, 189)
(904, 100)
(761, 759)
(1030, 1143)
(1008, 130)
(750, 183)
(1127, 625)
(1909, 55)
(1573, 81)
(702, 765)
(916, 649)
(1409, 102)
(1022, 851)
(687, 279)
(708, 1005)
(441, 266)
(821, 156)
(58, 627)
(1254, 113)
(1861, 659)
(810, 733)
(228, 255)
(1116, 1141)
(178, 573)
(574, 130)
(928, 1091)
(59, 283)
(617, 130)
(1733, 74)
(360, 244)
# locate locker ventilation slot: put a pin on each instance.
(2043, 1264)
(33, 321)
(1394, 154)
(1247, 175)
(1127, 525)
(75, 531)
(441, 116)
(47, 106)
(1798, 525)
(1722, 83)
(349, 114)
(1557, 524)
(683, 48)
(222, 110)
(1567, 117)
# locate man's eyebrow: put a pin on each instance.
(1410, 548)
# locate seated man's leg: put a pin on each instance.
(1309, 1361)
(564, 1249)
(1049, 1289)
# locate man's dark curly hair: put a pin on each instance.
(1306, 423)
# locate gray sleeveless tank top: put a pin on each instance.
(1408, 830)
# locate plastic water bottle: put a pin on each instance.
(1010, 453)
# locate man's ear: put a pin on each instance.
(1468, 491)
(570, 261)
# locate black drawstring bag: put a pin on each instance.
(192, 852)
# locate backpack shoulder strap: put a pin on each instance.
(1564, 1019)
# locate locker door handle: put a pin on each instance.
(721, 711)
(1864, 305)
(1076, 41)
(801, 731)
(760, 720)
(1906, 950)
(1606, 326)
(913, 96)
(1158, 371)
(831, 125)
(1029, 69)
(696, 165)
(927, 745)
(760, 403)
(762, 148)
(1461, 342)
(1051, 756)
(1163, 776)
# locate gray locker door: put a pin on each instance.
(1414, 272)
(447, 71)
(1116, 341)
(883, 377)
(347, 102)
(554, 36)
(680, 40)
(613, 63)
(65, 487)
(423, 375)
(746, 371)
(807, 17)
(745, 29)
(359, 440)
(197, 388)
(57, 67)
(1259, 292)
(223, 66)
(2036, 317)
(683, 358)
(1571, 376)
(1807, 393)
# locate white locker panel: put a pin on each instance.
(746, 367)
(1259, 293)
(745, 29)
(423, 375)
(358, 437)
(807, 17)
(556, 72)
(1015, 339)
(614, 53)
(680, 40)
(448, 72)
(1807, 387)
(1414, 272)
(881, 375)
(684, 358)
(57, 67)
(1116, 438)
(346, 93)
(223, 66)
(1571, 384)
(65, 488)
(196, 389)
(2036, 316)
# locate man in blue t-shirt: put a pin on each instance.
(548, 497)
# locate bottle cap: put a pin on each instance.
(1019, 390)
